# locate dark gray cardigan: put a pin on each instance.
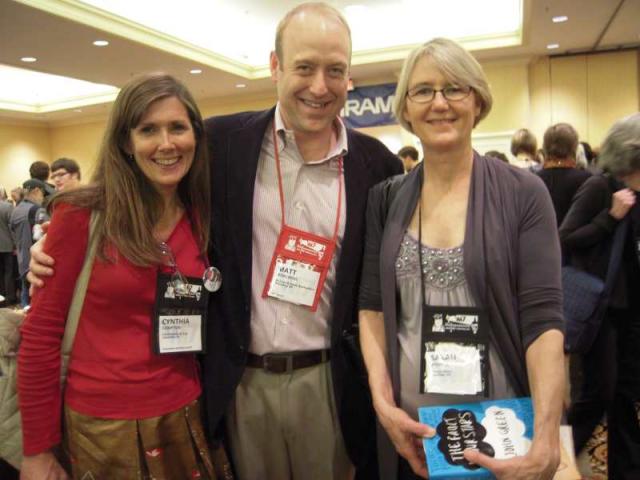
(511, 259)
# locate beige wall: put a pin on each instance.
(509, 85)
(80, 142)
(20, 146)
(589, 91)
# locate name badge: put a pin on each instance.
(180, 316)
(299, 267)
(454, 351)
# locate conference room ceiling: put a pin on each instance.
(62, 39)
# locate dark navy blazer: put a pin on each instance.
(234, 145)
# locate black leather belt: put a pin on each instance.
(287, 362)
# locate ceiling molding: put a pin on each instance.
(65, 104)
(116, 25)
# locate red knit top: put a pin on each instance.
(113, 372)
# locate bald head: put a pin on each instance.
(310, 11)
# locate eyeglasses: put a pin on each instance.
(59, 174)
(178, 280)
(426, 93)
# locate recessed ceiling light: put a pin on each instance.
(241, 85)
(553, 46)
(29, 59)
(101, 43)
(559, 19)
(195, 71)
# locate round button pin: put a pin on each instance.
(212, 279)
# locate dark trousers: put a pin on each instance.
(623, 439)
(593, 379)
(404, 470)
(624, 428)
(7, 277)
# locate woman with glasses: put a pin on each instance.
(131, 396)
(460, 297)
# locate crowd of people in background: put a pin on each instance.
(22, 212)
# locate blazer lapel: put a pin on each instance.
(243, 152)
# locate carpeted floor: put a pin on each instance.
(593, 459)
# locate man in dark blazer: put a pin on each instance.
(309, 78)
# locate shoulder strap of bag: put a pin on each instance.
(615, 258)
(79, 293)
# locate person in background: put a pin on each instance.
(65, 174)
(40, 171)
(24, 218)
(130, 412)
(463, 235)
(524, 147)
(559, 172)
(588, 153)
(7, 248)
(611, 368)
(16, 196)
(410, 157)
(498, 155)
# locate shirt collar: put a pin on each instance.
(339, 146)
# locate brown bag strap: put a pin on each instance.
(79, 292)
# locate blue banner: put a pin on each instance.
(369, 106)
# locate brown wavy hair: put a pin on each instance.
(127, 201)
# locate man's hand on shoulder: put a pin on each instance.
(40, 265)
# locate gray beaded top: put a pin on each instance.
(443, 267)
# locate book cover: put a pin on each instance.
(499, 428)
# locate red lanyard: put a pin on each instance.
(277, 155)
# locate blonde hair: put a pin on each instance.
(455, 63)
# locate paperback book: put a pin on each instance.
(501, 429)
(498, 428)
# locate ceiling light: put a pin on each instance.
(29, 59)
(195, 71)
(559, 19)
(553, 46)
(101, 43)
(241, 85)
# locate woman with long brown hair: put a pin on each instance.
(131, 396)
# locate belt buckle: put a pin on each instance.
(271, 363)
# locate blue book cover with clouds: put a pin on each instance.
(498, 428)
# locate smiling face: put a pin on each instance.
(313, 75)
(442, 125)
(163, 144)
